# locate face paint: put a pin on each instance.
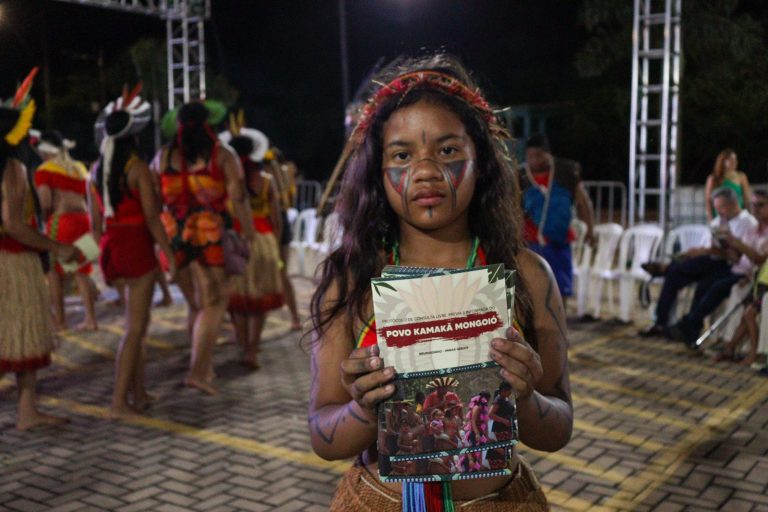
(400, 179)
(453, 174)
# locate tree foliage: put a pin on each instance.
(724, 90)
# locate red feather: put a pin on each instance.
(23, 90)
(135, 92)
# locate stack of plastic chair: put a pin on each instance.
(581, 276)
(579, 228)
(304, 235)
(331, 235)
(292, 214)
(602, 269)
(638, 245)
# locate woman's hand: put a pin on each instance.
(520, 364)
(66, 253)
(365, 379)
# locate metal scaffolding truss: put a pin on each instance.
(185, 38)
(653, 136)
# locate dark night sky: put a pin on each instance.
(284, 56)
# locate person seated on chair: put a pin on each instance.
(714, 269)
(753, 301)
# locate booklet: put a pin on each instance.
(89, 250)
(450, 417)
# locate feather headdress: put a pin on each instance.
(138, 116)
(237, 128)
(25, 105)
(443, 382)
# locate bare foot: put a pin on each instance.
(118, 303)
(200, 385)
(296, 324)
(251, 359)
(123, 412)
(210, 376)
(38, 420)
(144, 401)
(87, 326)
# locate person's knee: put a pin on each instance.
(134, 333)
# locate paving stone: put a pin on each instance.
(94, 464)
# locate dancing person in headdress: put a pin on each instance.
(427, 183)
(61, 185)
(441, 396)
(127, 224)
(283, 172)
(198, 177)
(259, 289)
(26, 337)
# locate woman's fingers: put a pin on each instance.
(364, 377)
(521, 365)
(361, 360)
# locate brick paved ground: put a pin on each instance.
(656, 429)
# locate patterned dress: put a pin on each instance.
(196, 214)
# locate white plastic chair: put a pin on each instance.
(577, 246)
(581, 276)
(602, 269)
(304, 234)
(679, 240)
(292, 214)
(638, 245)
(686, 236)
(332, 233)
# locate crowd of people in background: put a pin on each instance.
(208, 213)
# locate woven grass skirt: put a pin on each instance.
(26, 338)
(360, 491)
(260, 288)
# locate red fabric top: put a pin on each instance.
(185, 189)
(54, 175)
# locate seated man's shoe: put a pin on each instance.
(654, 331)
(655, 268)
(683, 332)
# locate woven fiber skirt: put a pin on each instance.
(360, 491)
(260, 288)
(26, 338)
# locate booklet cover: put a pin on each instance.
(451, 417)
(89, 250)
(442, 320)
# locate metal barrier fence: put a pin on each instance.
(688, 206)
(308, 194)
(604, 196)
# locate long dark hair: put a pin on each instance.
(370, 226)
(125, 148)
(194, 137)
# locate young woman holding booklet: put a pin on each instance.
(428, 183)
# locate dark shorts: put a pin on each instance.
(560, 260)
